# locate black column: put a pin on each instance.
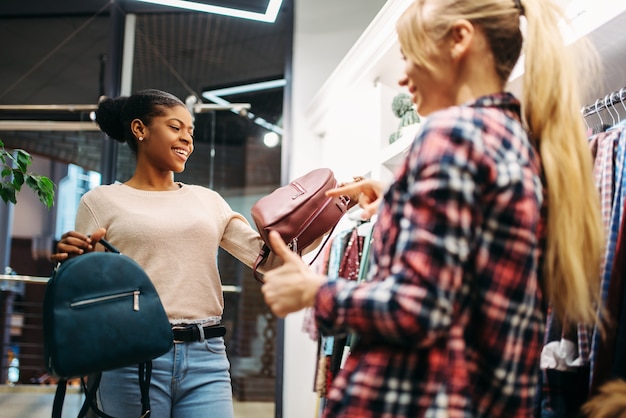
(112, 87)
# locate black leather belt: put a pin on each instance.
(191, 333)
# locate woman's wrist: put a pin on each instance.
(313, 284)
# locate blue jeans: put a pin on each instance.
(192, 380)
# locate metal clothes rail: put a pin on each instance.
(610, 100)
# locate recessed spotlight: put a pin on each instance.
(271, 139)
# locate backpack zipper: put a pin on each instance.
(134, 294)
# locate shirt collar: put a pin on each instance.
(504, 100)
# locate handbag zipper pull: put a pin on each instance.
(136, 300)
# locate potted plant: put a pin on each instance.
(15, 174)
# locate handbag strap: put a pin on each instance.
(265, 252)
(260, 259)
(323, 245)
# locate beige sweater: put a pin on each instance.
(174, 236)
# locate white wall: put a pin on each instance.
(324, 32)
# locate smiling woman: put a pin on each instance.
(174, 231)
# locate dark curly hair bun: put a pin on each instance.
(108, 117)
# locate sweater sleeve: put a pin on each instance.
(245, 244)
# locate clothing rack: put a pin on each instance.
(610, 99)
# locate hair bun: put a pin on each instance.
(108, 117)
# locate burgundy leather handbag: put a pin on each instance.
(300, 211)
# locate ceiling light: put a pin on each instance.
(269, 16)
(271, 139)
(247, 88)
(216, 97)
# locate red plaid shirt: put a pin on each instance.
(451, 321)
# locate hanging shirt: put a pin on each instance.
(451, 319)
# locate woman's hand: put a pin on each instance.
(73, 243)
(368, 193)
(292, 286)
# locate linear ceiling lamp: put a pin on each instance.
(247, 88)
(216, 97)
(269, 16)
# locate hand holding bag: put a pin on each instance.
(101, 312)
(300, 211)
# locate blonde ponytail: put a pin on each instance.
(551, 108)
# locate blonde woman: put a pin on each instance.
(493, 217)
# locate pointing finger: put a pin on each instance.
(344, 190)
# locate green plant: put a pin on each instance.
(15, 173)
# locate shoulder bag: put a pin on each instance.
(300, 211)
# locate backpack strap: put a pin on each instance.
(89, 402)
(90, 397)
(145, 374)
(59, 397)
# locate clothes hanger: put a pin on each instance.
(607, 106)
(602, 127)
(612, 105)
(614, 98)
(598, 112)
(621, 98)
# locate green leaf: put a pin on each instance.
(15, 168)
(7, 193)
(44, 188)
(23, 160)
(18, 179)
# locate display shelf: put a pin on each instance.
(393, 154)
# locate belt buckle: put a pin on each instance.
(178, 328)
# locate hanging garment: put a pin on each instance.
(603, 349)
(567, 353)
(351, 260)
(618, 189)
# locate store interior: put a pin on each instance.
(340, 62)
